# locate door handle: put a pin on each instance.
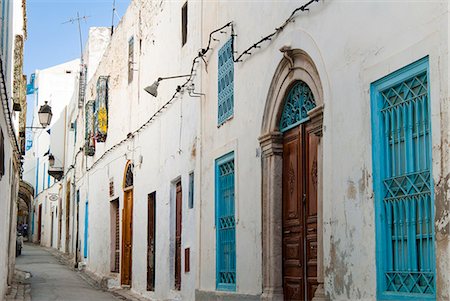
(287, 231)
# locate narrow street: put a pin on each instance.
(51, 280)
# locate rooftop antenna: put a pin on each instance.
(78, 19)
(113, 13)
(82, 78)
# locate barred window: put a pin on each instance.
(403, 184)
(225, 82)
(225, 224)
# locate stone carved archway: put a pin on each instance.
(296, 65)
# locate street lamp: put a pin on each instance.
(45, 116)
(153, 89)
(51, 160)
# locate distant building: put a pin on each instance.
(55, 86)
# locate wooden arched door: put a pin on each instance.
(127, 226)
(299, 195)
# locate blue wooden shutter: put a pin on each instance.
(225, 82)
(86, 229)
(403, 184)
(225, 224)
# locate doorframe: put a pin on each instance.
(295, 65)
(126, 191)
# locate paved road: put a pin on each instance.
(50, 280)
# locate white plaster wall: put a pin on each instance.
(6, 182)
(352, 45)
(9, 181)
(98, 40)
(163, 160)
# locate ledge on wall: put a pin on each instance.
(224, 296)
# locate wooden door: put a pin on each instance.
(151, 243)
(299, 215)
(127, 237)
(39, 222)
(59, 222)
(311, 181)
(178, 237)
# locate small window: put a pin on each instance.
(184, 22)
(130, 59)
(191, 191)
(187, 260)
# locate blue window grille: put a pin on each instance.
(298, 102)
(191, 191)
(225, 224)
(86, 229)
(403, 184)
(225, 82)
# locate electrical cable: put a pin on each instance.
(270, 36)
(201, 55)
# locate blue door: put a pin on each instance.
(86, 230)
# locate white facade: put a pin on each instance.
(12, 23)
(339, 49)
(56, 86)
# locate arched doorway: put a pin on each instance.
(127, 225)
(291, 181)
(299, 220)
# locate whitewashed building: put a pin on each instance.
(265, 151)
(12, 128)
(54, 86)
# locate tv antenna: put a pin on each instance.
(114, 13)
(78, 19)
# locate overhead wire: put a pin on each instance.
(201, 54)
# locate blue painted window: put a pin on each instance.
(191, 191)
(298, 102)
(403, 184)
(225, 224)
(86, 229)
(36, 192)
(225, 82)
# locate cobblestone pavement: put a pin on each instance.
(20, 290)
(51, 280)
